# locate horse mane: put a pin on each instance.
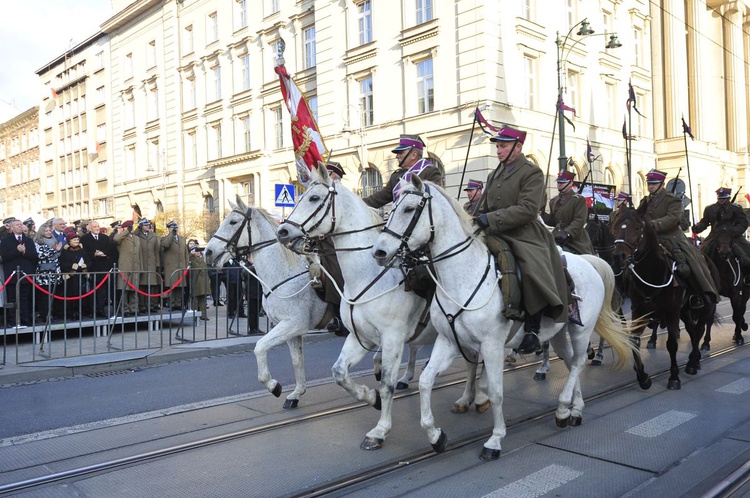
(465, 218)
(652, 241)
(291, 257)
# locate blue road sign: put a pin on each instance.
(284, 195)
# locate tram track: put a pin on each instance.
(342, 483)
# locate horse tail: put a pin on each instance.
(608, 324)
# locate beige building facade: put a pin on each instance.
(193, 115)
(20, 165)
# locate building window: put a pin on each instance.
(309, 37)
(212, 28)
(273, 6)
(246, 133)
(189, 93)
(638, 46)
(151, 54)
(240, 14)
(154, 164)
(371, 181)
(127, 66)
(527, 80)
(208, 204)
(129, 112)
(101, 170)
(187, 40)
(246, 190)
(101, 133)
(130, 164)
(527, 7)
(312, 103)
(245, 72)
(152, 107)
(425, 87)
(364, 17)
(613, 105)
(99, 60)
(216, 83)
(365, 101)
(424, 11)
(571, 11)
(278, 127)
(191, 151)
(100, 97)
(214, 141)
(572, 91)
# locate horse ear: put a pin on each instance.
(417, 182)
(323, 173)
(232, 204)
(241, 203)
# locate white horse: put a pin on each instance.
(288, 298)
(467, 307)
(375, 306)
(296, 308)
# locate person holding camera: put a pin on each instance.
(176, 259)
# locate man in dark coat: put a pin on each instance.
(568, 214)
(19, 252)
(409, 154)
(724, 213)
(473, 191)
(509, 210)
(99, 246)
(664, 210)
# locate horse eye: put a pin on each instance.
(314, 198)
(409, 209)
(233, 222)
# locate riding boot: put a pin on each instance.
(530, 342)
(509, 284)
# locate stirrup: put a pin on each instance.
(746, 280)
(530, 342)
(696, 301)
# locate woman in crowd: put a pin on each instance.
(74, 264)
(47, 270)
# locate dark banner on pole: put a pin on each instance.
(600, 198)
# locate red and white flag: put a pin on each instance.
(53, 101)
(308, 143)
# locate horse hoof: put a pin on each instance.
(597, 361)
(483, 407)
(276, 391)
(459, 408)
(510, 359)
(540, 376)
(645, 384)
(377, 405)
(691, 370)
(740, 341)
(371, 444)
(378, 375)
(674, 385)
(562, 423)
(401, 386)
(441, 443)
(651, 345)
(705, 348)
(744, 326)
(575, 421)
(488, 455)
(591, 353)
(291, 403)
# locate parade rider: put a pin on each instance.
(664, 211)
(568, 214)
(509, 213)
(473, 191)
(725, 213)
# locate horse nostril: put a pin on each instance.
(380, 253)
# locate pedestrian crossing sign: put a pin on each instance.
(284, 195)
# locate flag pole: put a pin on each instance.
(549, 156)
(468, 148)
(629, 149)
(687, 166)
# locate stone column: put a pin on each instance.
(735, 77)
(675, 64)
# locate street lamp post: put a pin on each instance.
(561, 59)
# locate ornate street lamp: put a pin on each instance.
(562, 55)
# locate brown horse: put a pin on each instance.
(650, 282)
(732, 284)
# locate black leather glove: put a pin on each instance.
(561, 238)
(482, 221)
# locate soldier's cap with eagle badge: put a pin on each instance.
(655, 176)
(509, 134)
(724, 193)
(565, 176)
(407, 142)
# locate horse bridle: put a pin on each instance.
(632, 262)
(232, 243)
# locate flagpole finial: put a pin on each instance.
(280, 47)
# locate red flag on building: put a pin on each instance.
(747, 196)
(308, 144)
(52, 103)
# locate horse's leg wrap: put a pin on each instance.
(510, 285)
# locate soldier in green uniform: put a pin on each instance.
(409, 154)
(473, 190)
(726, 214)
(509, 210)
(568, 213)
(664, 211)
(622, 202)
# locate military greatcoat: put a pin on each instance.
(664, 211)
(385, 195)
(129, 248)
(729, 215)
(176, 258)
(568, 213)
(512, 201)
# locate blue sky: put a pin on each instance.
(33, 32)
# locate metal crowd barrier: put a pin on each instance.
(87, 316)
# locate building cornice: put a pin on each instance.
(128, 14)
